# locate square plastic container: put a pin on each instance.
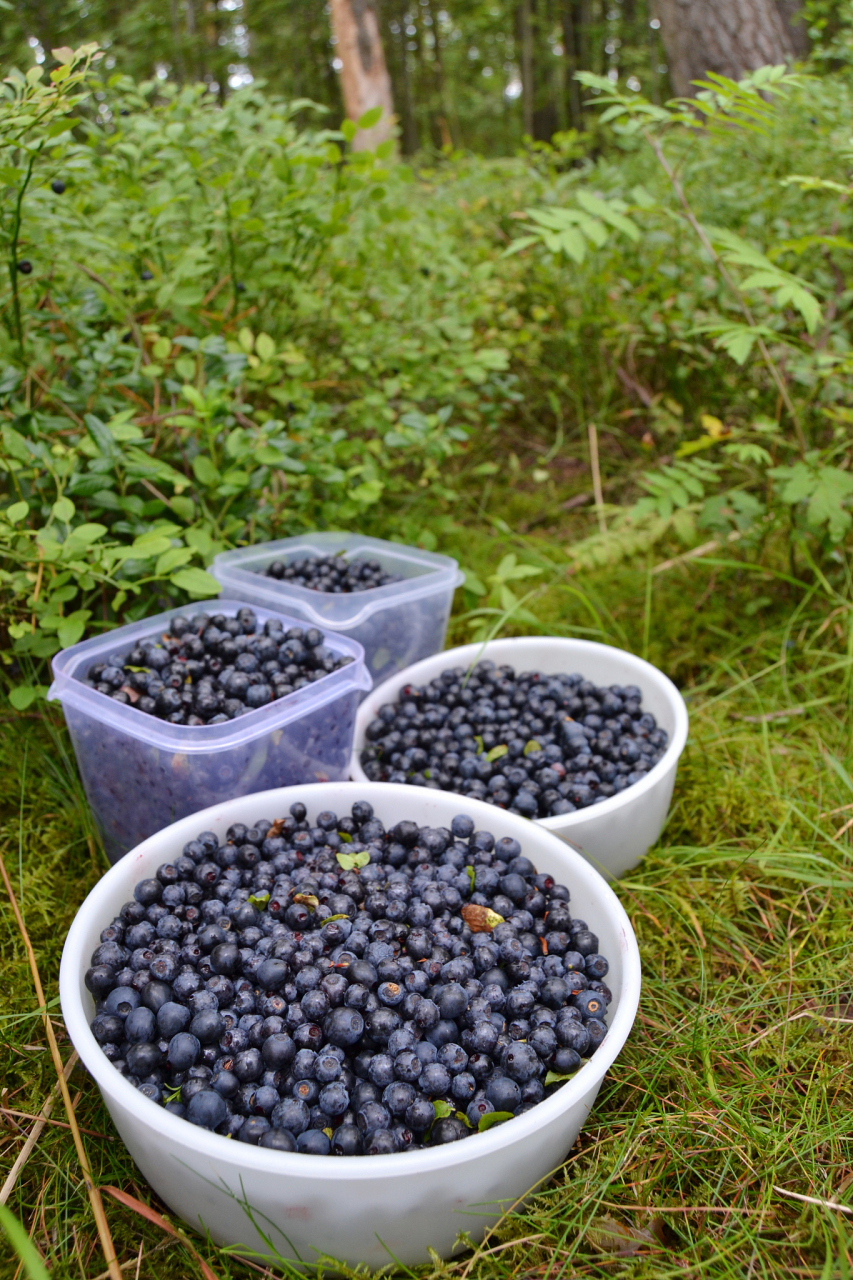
(141, 773)
(397, 625)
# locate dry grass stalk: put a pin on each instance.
(113, 1267)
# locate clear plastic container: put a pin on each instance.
(141, 773)
(397, 625)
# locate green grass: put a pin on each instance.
(736, 1079)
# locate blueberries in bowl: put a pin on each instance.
(208, 670)
(537, 744)
(333, 574)
(339, 989)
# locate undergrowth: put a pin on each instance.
(734, 1088)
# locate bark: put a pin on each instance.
(410, 127)
(791, 13)
(731, 37)
(527, 86)
(570, 15)
(365, 82)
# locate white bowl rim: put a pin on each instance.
(500, 650)
(200, 1142)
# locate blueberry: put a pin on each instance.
(122, 1001)
(184, 1051)
(139, 1026)
(277, 1140)
(291, 1114)
(24, 267)
(503, 1093)
(172, 1018)
(58, 186)
(206, 1109)
(313, 1142)
(565, 1061)
(346, 1141)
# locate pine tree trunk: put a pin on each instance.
(365, 81)
(791, 13)
(731, 37)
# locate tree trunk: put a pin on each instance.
(570, 16)
(731, 37)
(365, 82)
(791, 13)
(527, 86)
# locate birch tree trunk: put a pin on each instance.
(731, 37)
(365, 81)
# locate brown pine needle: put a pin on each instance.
(95, 1200)
(35, 1133)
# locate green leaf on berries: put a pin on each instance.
(342, 915)
(554, 1077)
(346, 837)
(532, 745)
(351, 861)
(479, 741)
(259, 900)
(442, 1109)
(497, 752)
(470, 871)
(460, 1115)
(492, 1118)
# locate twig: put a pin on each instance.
(60, 1124)
(832, 813)
(579, 500)
(825, 1204)
(795, 1017)
(592, 432)
(769, 716)
(696, 553)
(841, 830)
(113, 1268)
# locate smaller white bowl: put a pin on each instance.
(617, 833)
(359, 1209)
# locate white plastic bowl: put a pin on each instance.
(615, 834)
(358, 1209)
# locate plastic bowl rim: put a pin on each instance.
(201, 1142)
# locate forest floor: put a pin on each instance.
(720, 1142)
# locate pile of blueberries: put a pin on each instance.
(332, 574)
(536, 744)
(208, 670)
(341, 989)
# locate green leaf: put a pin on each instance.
(370, 118)
(491, 1118)
(17, 512)
(33, 1266)
(264, 346)
(349, 129)
(496, 753)
(351, 861)
(442, 1109)
(605, 210)
(150, 544)
(71, 628)
(22, 696)
(101, 435)
(204, 470)
(480, 746)
(532, 745)
(554, 1077)
(196, 582)
(64, 510)
(471, 875)
(345, 835)
(259, 900)
(171, 559)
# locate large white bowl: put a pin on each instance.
(615, 834)
(358, 1209)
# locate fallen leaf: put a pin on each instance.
(609, 1236)
(480, 919)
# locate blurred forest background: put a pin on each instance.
(474, 74)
